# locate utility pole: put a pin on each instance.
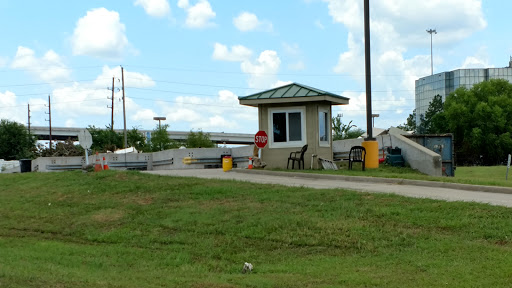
(28, 109)
(368, 70)
(50, 120)
(431, 31)
(124, 110)
(370, 143)
(112, 107)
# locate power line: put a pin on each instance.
(47, 69)
(251, 88)
(54, 103)
(49, 83)
(196, 94)
(266, 74)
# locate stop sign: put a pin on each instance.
(260, 139)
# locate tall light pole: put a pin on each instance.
(159, 119)
(159, 126)
(431, 31)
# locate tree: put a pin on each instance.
(104, 140)
(136, 139)
(199, 139)
(481, 122)
(433, 122)
(342, 131)
(15, 141)
(160, 139)
(410, 124)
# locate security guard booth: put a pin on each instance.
(295, 115)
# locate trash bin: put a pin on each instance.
(227, 163)
(25, 165)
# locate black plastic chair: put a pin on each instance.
(357, 154)
(297, 156)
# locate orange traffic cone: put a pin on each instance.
(97, 167)
(250, 163)
(105, 164)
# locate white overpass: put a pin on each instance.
(64, 133)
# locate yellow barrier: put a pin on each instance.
(227, 163)
(372, 154)
(189, 160)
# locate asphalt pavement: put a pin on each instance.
(499, 196)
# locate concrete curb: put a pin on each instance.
(396, 181)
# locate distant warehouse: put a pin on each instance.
(447, 82)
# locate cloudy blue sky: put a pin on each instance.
(189, 60)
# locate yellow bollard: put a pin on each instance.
(227, 163)
(372, 154)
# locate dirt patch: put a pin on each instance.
(141, 200)
(108, 215)
(144, 200)
(122, 176)
(213, 285)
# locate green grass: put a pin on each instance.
(475, 175)
(128, 229)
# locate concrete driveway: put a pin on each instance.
(499, 196)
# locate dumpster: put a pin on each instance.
(442, 144)
(394, 157)
(25, 165)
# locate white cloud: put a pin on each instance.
(101, 34)
(351, 61)
(219, 113)
(238, 53)
(70, 123)
(262, 72)
(183, 4)
(155, 8)
(131, 79)
(479, 60)
(249, 22)
(49, 68)
(474, 62)
(280, 83)
(9, 108)
(199, 15)
(84, 99)
(396, 27)
(145, 115)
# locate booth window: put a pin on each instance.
(288, 127)
(323, 126)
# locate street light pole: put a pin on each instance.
(159, 126)
(159, 119)
(431, 31)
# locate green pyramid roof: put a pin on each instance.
(291, 93)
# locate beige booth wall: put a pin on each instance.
(277, 157)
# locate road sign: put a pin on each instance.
(261, 139)
(85, 138)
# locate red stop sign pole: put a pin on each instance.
(261, 139)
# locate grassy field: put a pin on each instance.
(128, 229)
(481, 175)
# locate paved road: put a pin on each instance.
(420, 189)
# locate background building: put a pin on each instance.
(446, 82)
